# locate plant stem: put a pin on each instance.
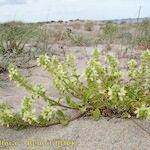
(57, 123)
(57, 103)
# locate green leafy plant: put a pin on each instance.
(14, 44)
(102, 89)
(143, 35)
(110, 31)
(80, 39)
(13, 39)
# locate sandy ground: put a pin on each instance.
(86, 134)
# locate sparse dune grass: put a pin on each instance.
(101, 90)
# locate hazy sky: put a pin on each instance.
(43, 10)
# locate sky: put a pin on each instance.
(46, 10)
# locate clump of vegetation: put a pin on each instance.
(79, 39)
(76, 25)
(143, 37)
(103, 89)
(108, 34)
(88, 26)
(109, 31)
(13, 40)
(47, 37)
(126, 38)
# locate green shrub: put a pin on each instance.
(144, 40)
(15, 44)
(13, 39)
(109, 31)
(143, 35)
(47, 37)
(80, 39)
(104, 87)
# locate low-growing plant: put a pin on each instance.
(15, 44)
(141, 36)
(80, 39)
(100, 89)
(46, 38)
(144, 40)
(13, 39)
(126, 38)
(88, 26)
(109, 31)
